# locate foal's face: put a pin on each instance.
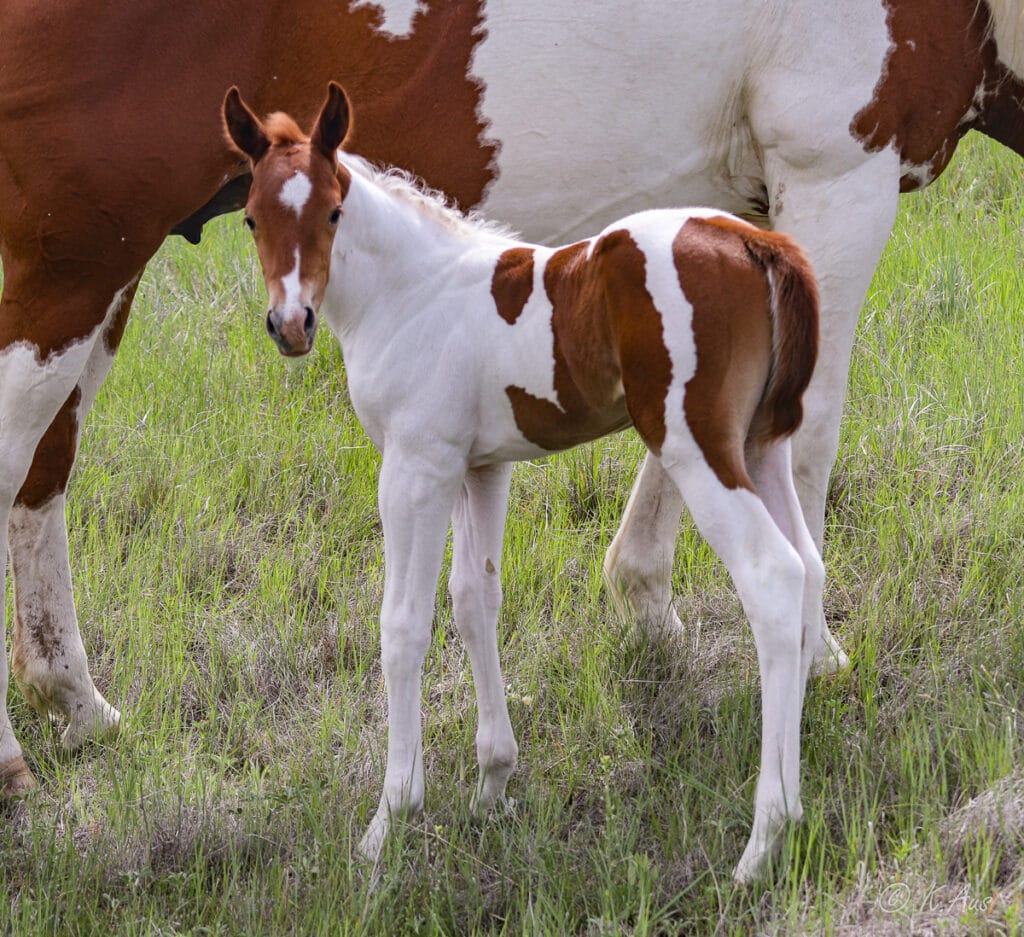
(293, 211)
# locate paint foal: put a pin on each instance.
(808, 120)
(467, 350)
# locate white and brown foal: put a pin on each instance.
(467, 350)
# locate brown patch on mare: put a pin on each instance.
(512, 282)
(82, 210)
(586, 370)
(931, 74)
(114, 331)
(732, 331)
(55, 454)
(1002, 116)
(411, 92)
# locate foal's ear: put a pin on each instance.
(333, 123)
(243, 127)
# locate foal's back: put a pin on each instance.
(685, 321)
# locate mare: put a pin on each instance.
(466, 350)
(808, 117)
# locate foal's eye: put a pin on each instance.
(250, 223)
(335, 216)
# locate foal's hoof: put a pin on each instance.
(372, 844)
(830, 661)
(827, 656)
(16, 780)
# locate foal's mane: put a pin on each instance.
(432, 204)
(282, 130)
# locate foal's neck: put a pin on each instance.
(394, 240)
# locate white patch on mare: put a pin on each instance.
(398, 15)
(295, 192)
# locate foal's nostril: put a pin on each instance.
(310, 320)
(271, 329)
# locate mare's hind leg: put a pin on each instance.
(638, 564)
(49, 660)
(478, 523)
(769, 577)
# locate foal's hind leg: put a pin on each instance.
(49, 660)
(638, 564)
(478, 523)
(771, 470)
(769, 577)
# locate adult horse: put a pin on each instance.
(808, 116)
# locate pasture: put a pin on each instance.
(228, 566)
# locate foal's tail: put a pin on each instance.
(793, 295)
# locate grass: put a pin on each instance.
(228, 569)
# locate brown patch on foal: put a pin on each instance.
(639, 334)
(586, 372)
(512, 282)
(933, 69)
(732, 331)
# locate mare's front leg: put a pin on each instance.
(49, 660)
(416, 495)
(39, 372)
(842, 220)
(478, 524)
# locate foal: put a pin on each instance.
(467, 350)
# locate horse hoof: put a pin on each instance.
(16, 780)
(831, 662)
(102, 725)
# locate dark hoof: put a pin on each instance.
(16, 779)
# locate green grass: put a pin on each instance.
(228, 568)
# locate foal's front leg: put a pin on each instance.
(415, 498)
(478, 524)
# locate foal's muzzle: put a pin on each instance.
(293, 330)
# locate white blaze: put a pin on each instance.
(292, 285)
(295, 192)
